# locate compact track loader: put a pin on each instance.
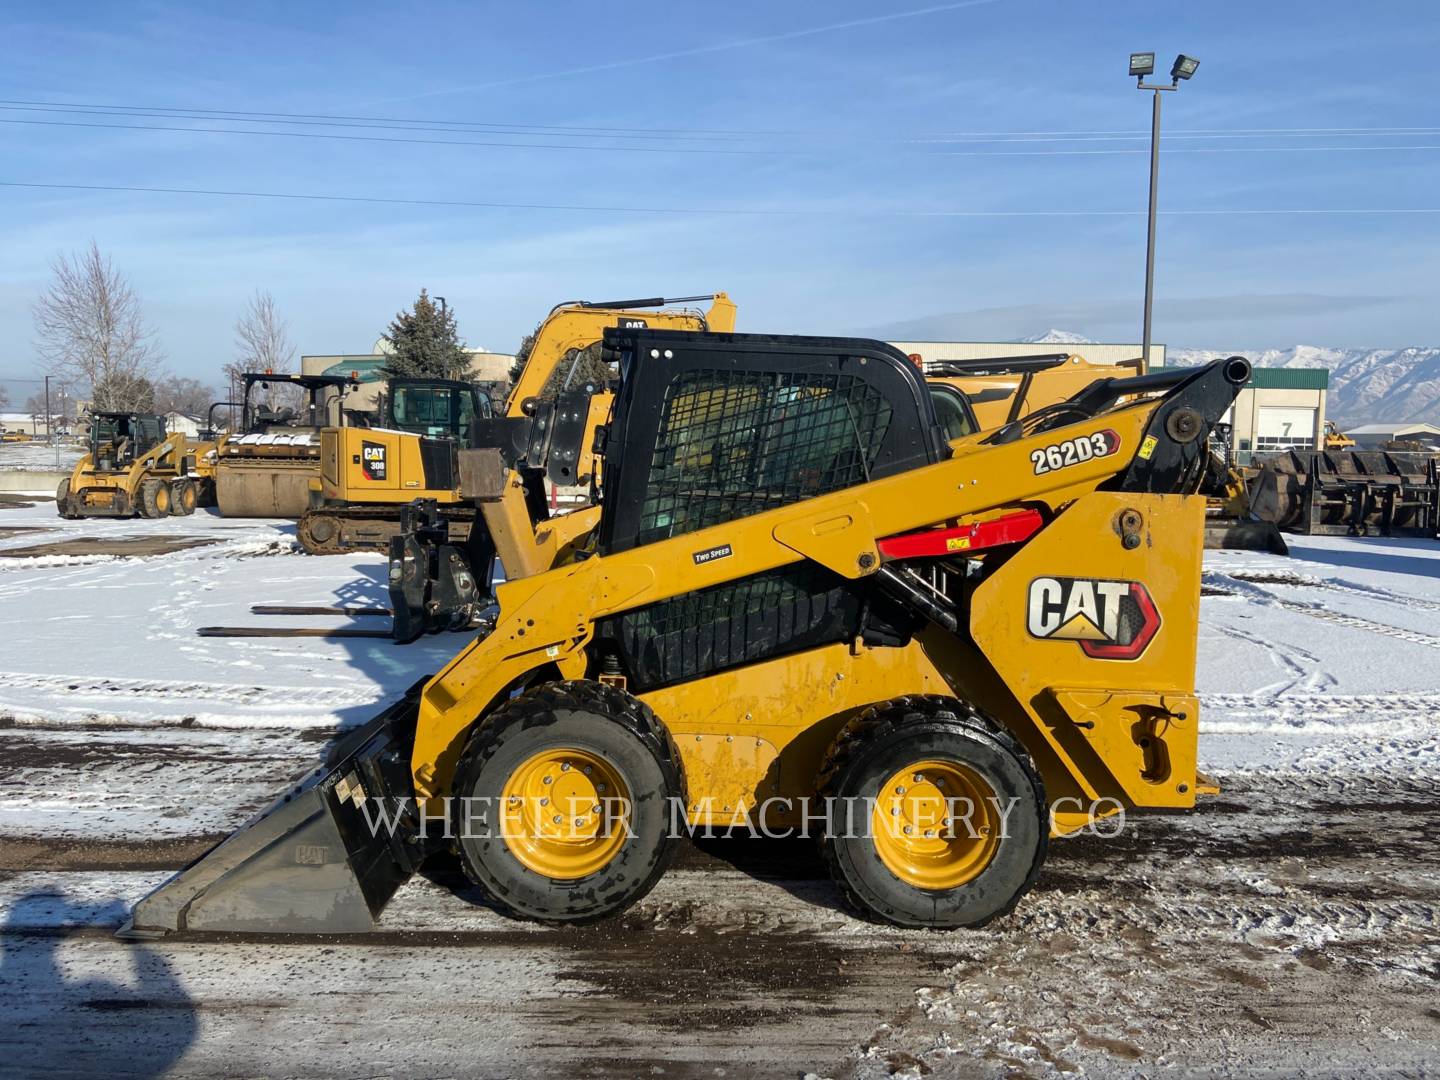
(135, 468)
(266, 468)
(799, 602)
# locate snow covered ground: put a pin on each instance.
(1290, 923)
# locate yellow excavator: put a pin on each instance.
(801, 606)
(134, 467)
(366, 477)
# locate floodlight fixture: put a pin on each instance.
(1183, 68)
(1142, 64)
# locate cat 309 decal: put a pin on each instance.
(1110, 620)
(1074, 451)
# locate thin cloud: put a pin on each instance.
(699, 50)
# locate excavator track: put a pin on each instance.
(335, 530)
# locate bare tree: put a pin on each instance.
(262, 341)
(89, 326)
(4, 397)
(176, 393)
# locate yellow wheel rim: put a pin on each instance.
(936, 824)
(565, 813)
(162, 499)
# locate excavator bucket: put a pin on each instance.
(325, 858)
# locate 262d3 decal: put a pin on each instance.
(1109, 620)
(1074, 451)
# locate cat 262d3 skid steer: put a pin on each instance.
(798, 595)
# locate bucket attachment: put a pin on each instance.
(436, 585)
(311, 863)
(1233, 535)
(1349, 492)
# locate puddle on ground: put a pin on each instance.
(119, 545)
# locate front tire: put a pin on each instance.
(939, 818)
(64, 504)
(563, 802)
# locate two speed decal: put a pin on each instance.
(1074, 451)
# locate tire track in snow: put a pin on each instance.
(1309, 677)
(1239, 585)
(103, 688)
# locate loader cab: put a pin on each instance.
(709, 429)
(435, 408)
(118, 438)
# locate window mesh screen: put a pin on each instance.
(735, 443)
(739, 622)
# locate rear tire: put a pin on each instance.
(182, 498)
(528, 864)
(154, 498)
(983, 859)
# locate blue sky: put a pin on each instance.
(838, 168)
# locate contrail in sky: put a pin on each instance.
(700, 50)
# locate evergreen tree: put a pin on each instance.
(426, 343)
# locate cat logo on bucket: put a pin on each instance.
(1109, 620)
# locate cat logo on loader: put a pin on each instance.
(1111, 620)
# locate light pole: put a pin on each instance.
(1142, 64)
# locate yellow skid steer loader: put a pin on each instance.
(134, 468)
(798, 599)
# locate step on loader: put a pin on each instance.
(800, 606)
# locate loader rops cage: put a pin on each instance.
(1350, 492)
(796, 594)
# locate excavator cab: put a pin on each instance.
(435, 408)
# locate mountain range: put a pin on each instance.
(1367, 386)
